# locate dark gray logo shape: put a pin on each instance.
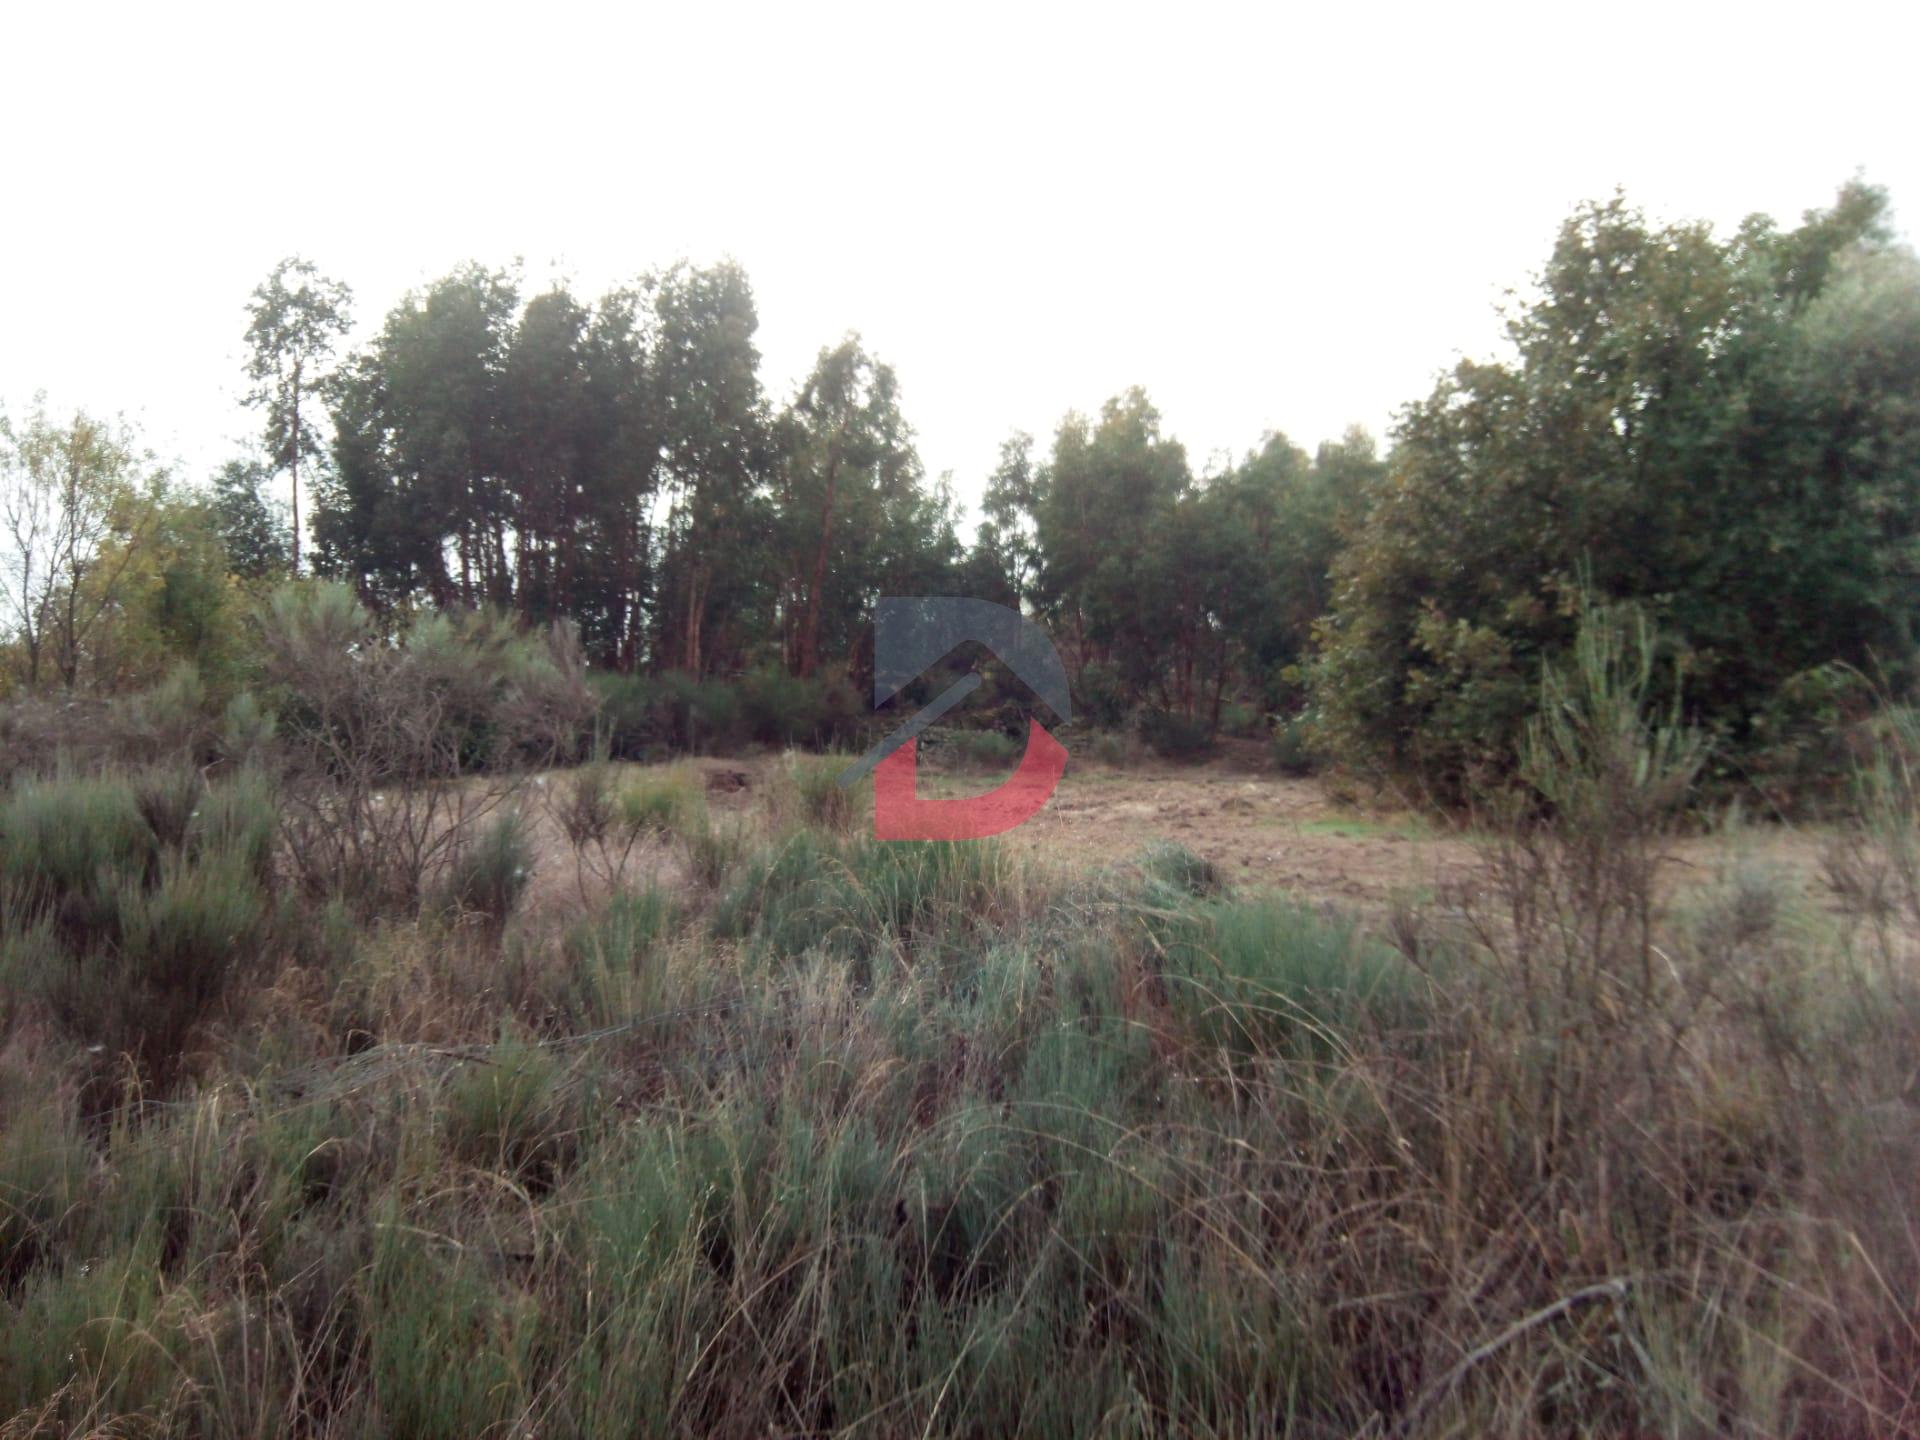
(912, 634)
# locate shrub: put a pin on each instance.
(1521, 484)
(68, 842)
(1174, 866)
(714, 848)
(1173, 735)
(781, 709)
(613, 957)
(246, 730)
(983, 749)
(160, 960)
(666, 802)
(703, 716)
(238, 818)
(1291, 748)
(490, 872)
(508, 1115)
(1253, 976)
(630, 717)
(811, 793)
(1244, 722)
(168, 797)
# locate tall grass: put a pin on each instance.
(878, 1139)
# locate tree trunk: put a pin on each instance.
(295, 467)
(810, 631)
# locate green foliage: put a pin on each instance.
(1670, 432)
(1256, 976)
(258, 541)
(786, 710)
(62, 839)
(982, 749)
(489, 873)
(811, 792)
(1173, 735)
(861, 897)
(168, 797)
(668, 802)
(1291, 747)
(1593, 751)
(1174, 866)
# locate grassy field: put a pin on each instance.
(665, 1110)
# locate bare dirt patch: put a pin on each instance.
(1261, 830)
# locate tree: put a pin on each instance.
(716, 452)
(1005, 560)
(1101, 507)
(849, 482)
(1721, 431)
(255, 536)
(294, 319)
(65, 492)
(420, 502)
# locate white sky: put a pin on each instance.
(1270, 220)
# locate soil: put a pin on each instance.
(1266, 831)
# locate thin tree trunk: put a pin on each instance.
(810, 632)
(295, 467)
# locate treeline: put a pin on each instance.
(1723, 432)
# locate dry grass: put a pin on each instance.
(762, 1127)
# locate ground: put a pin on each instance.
(1263, 830)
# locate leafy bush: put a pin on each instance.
(630, 717)
(982, 749)
(786, 710)
(1173, 735)
(156, 963)
(1291, 748)
(1650, 440)
(238, 817)
(1244, 722)
(66, 843)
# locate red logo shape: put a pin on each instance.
(900, 814)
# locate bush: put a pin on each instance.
(1174, 866)
(168, 797)
(1255, 976)
(983, 749)
(665, 802)
(630, 720)
(489, 873)
(811, 793)
(704, 717)
(159, 962)
(1520, 486)
(67, 843)
(238, 817)
(1291, 748)
(1173, 735)
(1243, 722)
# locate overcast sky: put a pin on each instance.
(1272, 221)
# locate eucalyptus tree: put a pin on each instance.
(294, 320)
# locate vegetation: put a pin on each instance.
(408, 1028)
(859, 1138)
(1719, 430)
